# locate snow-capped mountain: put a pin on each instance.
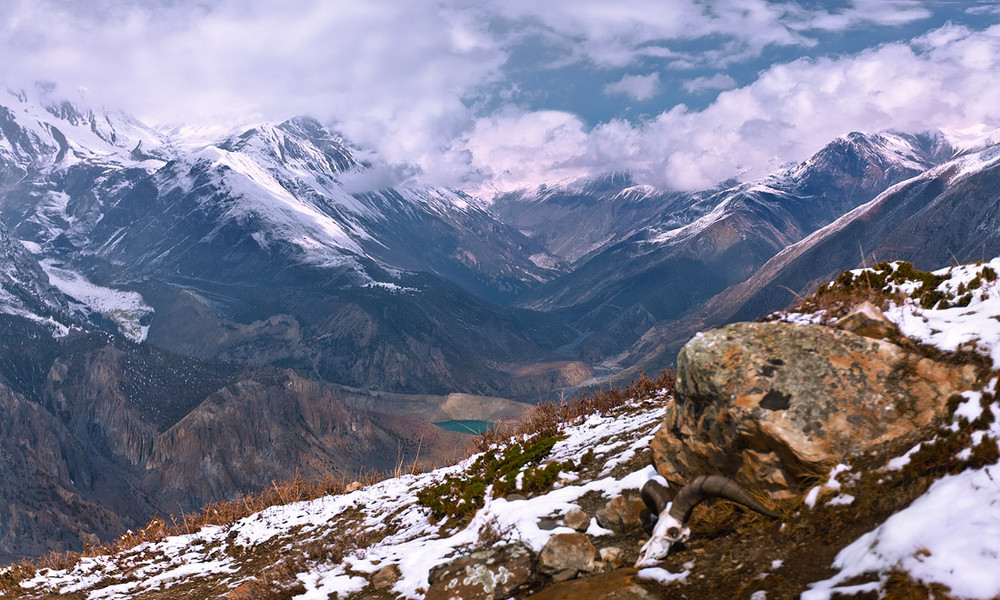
(940, 216)
(680, 257)
(215, 227)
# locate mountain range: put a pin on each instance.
(189, 314)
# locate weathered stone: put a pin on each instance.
(547, 523)
(768, 402)
(566, 555)
(612, 557)
(867, 320)
(386, 577)
(577, 519)
(622, 515)
(622, 584)
(487, 575)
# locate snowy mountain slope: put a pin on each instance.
(945, 214)
(25, 290)
(383, 524)
(923, 522)
(575, 220)
(671, 267)
(274, 206)
(43, 132)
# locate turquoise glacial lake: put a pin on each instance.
(470, 427)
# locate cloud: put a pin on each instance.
(392, 75)
(946, 80)
(411, 79)
(700, 85)
(637, 87)
(860, 12)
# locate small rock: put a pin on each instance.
(566, 555)
(612, 557)
(244, 591)
(353, 487)
(866, 319)
(622, 515)
(547, 523)
(386, 577)
(495, 573)
(577, 519)
(513, 497)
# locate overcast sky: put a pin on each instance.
(502, 94)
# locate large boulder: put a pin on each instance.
(769, 403)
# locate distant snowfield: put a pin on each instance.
(125, 309)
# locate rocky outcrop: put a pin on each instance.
(768, 403)
(623, 515)
(47, 485)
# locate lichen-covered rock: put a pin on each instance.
(487, 575)
(768, 402)
(622, 515)
(566, 555)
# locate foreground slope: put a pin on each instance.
(904, 522)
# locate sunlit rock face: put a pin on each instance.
(768, 403)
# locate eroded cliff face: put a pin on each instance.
(255, 431)
(99, 435)
(47, 485)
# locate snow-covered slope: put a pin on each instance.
(951, 534)
(25, 290)
(380, 525)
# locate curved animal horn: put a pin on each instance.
(655, 496)
(713, 486)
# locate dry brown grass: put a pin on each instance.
(280, 581)
(543, 420)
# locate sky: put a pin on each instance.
(489, 96)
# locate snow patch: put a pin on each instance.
(126, 309)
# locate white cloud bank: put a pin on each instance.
(948, 79)
(406, 77)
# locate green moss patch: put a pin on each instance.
(460, 496)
